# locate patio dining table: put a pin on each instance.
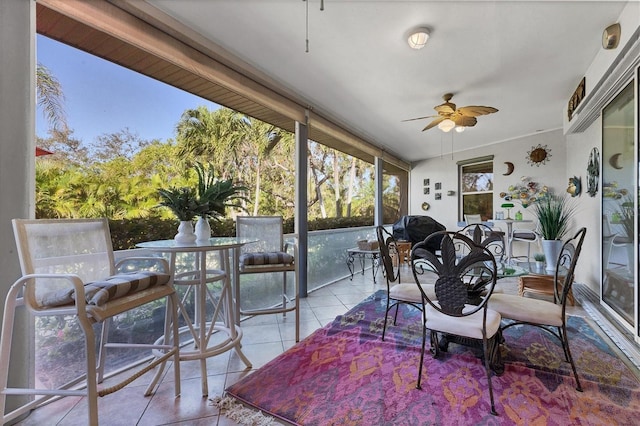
(223, 319)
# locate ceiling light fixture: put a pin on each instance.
(418, 38)
(446, 125)
(460, 129)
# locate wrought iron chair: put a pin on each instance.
(486, 237)
(461, 266)
(546, 315)
(270, 257)
(68, 271)
(397, 293)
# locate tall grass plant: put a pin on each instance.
(554, 214)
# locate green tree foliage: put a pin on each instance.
(50, 98)
(119, 175)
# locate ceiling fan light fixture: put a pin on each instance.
(418, 38)
(446, 125)
(460, 129)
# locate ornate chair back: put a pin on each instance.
(388, 250)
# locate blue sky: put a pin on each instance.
(102, 97)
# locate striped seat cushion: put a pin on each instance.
(114, 287)
(265, 258)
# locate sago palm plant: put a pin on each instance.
(183, 202)
(217, 194)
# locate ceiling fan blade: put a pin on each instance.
(464, 120)
(419, 118)
(434, 123)
(476, 110)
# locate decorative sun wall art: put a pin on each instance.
(539, 154)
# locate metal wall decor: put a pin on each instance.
(539, 154)
(510, 168)
(575, 186)
(593, 172)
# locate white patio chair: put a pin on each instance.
(524, 235)
(269, 256)
(68, 269)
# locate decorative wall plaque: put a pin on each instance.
(576, 98)
(593, 172)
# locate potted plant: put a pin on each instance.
(185, 205)
(553, 213)
(216, 195)
(539, 258)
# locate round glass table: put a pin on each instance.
(223, 323)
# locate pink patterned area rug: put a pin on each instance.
(344, 374)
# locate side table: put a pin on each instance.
(362, 255)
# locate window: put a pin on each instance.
(476, 189)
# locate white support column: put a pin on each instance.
(17, 159)
(301, 210)
(378, 205)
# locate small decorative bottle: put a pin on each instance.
(518, 215)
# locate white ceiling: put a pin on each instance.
(524, 58)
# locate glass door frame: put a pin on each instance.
(615, 200)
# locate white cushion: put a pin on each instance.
(526, 309)
(468, 326)
(411, 292)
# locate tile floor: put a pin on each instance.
(264, 338)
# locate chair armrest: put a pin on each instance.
(160, 261)
(293, 244)
(63, 296)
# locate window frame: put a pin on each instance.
(462, 194)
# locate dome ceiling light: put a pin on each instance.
(418, 38)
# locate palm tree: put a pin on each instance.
(51, 98)
(262, 139)
(210, 136)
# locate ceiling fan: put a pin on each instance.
(450, 117)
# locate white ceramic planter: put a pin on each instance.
(185, 233)
(203, 229)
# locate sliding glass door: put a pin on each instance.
(619, 205)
